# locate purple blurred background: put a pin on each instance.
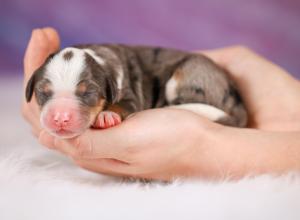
(271, 27)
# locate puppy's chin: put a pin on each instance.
(65, 134)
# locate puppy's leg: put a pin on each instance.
(199, 81)
(114, 114)
(208, 111)
(107, 119)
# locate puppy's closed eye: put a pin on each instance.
(88, 92)
(44, 91)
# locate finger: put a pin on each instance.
(54, 143)
(221, 56)
(36, 52)
(51, 142)
(53, 37)
(115, 168)
(30, 111)
(228, 56)
(104, 166)
(120, 142)
(242, 62)
(35, 132)
(42, 43)
(93, 144)
(45, 139)
(76, 149)
(35, 124)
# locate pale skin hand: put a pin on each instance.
(43, 42)
(167, 143)
(269, 92)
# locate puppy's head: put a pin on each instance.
(71, 88)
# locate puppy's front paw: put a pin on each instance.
(107, 119)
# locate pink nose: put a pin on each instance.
(61, 119)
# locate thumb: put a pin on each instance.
(92, 144)
(53, 142)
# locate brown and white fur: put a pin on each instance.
(100, 85)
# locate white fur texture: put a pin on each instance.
(92, 53)
(118, 66)
(36, 183)
(120, 77)
(204, 110)
(64, 74)
(171, 88)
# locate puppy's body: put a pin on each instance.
(126, 79)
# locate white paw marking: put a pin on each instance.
(171, 88)
(205, 110)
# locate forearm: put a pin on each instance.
(236, 152)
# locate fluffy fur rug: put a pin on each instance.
(36, 183)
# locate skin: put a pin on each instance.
(167, 143)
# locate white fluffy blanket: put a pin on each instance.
(36, 183)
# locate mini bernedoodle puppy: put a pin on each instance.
(100, 85)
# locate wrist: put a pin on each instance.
(241, 152)
(222, 152)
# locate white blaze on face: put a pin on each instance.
(64, 74)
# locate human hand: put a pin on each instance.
(271, 95)
(165, 151)
(43, 42)
(131, 149)
(153, 144)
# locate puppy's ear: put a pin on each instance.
(30, 87)
(112, 93)
(32, 81)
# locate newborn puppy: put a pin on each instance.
(100, 85)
